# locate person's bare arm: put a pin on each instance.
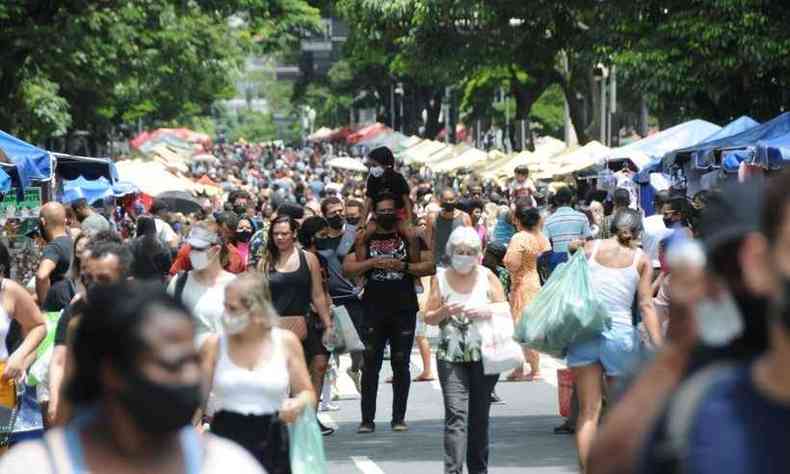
(318, 295)
(57, 367)
(649, 316)
(24, 310)
(208, 363)
(425, 267)
(433, 313)
(408, 207)
(353, 268)
(45, 269)
(301, 387)
(467, 219)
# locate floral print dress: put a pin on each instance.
(522, 261)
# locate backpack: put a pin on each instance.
(675, 430)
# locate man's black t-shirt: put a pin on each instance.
(389, 291)
(390, 182)
(60, 295)
(59, 250)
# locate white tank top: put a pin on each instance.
(260, 391)
(478, 296)
(616, 287)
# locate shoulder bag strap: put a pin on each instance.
(684, 407)
(181, 283)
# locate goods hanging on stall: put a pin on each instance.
(754, 150)
(644, 156)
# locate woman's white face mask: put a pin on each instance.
(199, 259)
(235, 323)
(463, 263)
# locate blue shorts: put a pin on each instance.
(616, 349)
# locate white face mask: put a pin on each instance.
(464, 263)
(719, 321)
(236, 323)
(377, 171)
(199, 259)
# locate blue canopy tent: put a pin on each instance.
(698, 151)
(24, 163)
(646, 154)
(91, 190)
(771, 153)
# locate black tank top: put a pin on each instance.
(291, 291)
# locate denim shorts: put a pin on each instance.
(616, 349)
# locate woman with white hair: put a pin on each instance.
(460, 296)
(251, 370)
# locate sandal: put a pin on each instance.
(423, 378)
(523, 378)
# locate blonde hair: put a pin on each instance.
(256, 295)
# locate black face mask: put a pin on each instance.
(243, 235)
(448, 206)
(335, 222)
(240, 210)
(669, 223)
(754, 314)
(387, 221)
(160, 409)
(352, 220)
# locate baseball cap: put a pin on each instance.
(731, 214)
(201, 237)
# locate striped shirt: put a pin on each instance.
(565, 226)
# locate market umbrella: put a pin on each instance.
(347, 163)
(180, 201)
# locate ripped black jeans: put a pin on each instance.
(398, 329)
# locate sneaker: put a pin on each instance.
(325, 406)
(399, 426)
(496, 399)
(356, 377)
(325, 430)
(366, 428)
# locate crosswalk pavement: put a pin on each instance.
(521, 429)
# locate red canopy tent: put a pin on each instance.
(368, 132)
(184, 134)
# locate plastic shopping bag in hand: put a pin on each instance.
(346, 337)
(499, 351)
(566, 310)
(306, 445)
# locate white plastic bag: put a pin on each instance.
(499, 351)
(346, 337)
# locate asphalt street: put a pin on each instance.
(522, 440)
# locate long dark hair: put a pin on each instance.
(271, 249)
(146, 233)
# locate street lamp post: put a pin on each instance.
(402, 95)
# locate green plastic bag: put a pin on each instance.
(306, 445)
(565, 311)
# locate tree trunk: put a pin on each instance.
(434, 107)
(526, 96)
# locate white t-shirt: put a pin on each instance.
(219, 457)
(164, 232)
(206, 304)
(653, 232)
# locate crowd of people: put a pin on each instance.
(167, 324)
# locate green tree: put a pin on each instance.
(714, 59)
(116, 62)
